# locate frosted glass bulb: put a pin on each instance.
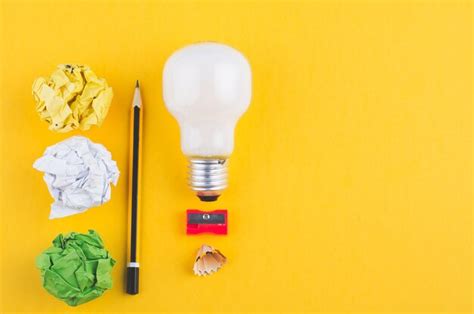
(207, 87)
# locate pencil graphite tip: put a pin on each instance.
(137, 84)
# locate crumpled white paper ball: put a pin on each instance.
(78, 173)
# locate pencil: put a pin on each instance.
(134, 192)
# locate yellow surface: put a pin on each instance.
(351, 181)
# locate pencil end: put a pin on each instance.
(132, 280)
(137, 84)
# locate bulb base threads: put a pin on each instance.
(208, 177)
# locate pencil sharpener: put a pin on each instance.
(198, 221)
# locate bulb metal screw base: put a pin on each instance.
(208, 177)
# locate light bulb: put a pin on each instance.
(207, 87)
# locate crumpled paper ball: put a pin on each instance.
(77, 268)
(73, 97)
(78, 173)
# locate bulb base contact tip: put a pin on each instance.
(208, 177)
(207, 198)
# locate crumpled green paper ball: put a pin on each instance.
(77, 268)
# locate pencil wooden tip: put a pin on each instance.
(137, 100)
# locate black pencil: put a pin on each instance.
(134, 192)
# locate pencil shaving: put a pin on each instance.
(208, 261)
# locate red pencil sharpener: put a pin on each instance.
(198, 221)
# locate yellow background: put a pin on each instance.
(351, 181)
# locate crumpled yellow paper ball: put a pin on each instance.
(73, 97)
